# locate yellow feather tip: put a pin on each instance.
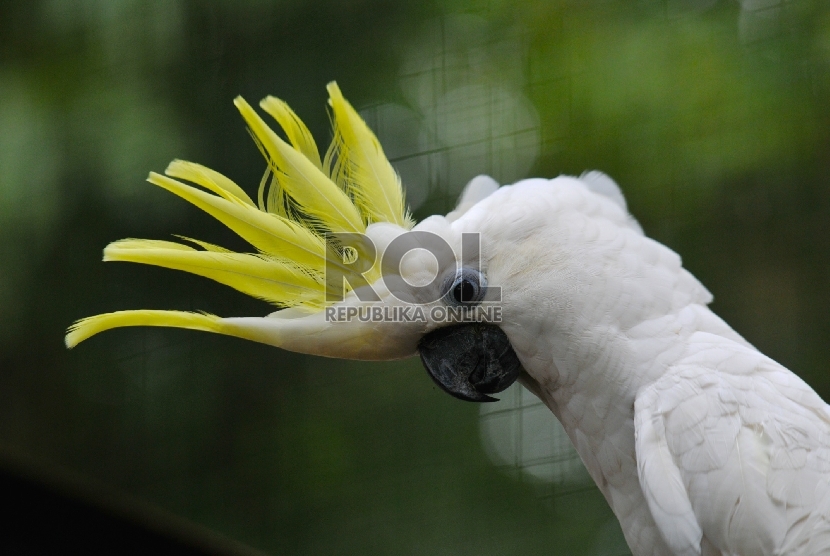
(85, 328)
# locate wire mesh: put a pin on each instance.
(711, 114)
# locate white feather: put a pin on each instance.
(700, 444)
(727, 452)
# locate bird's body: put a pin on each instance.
(701, 444)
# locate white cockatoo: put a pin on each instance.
(699, 442)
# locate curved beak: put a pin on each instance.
(470, 361)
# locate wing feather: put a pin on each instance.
(750, 444)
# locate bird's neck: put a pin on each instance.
(593, 376)
(591, 379)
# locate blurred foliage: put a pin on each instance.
(713, 115)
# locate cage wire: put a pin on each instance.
(466, 110)
(468, 113)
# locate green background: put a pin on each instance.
(713, 115)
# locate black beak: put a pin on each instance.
(470, 360)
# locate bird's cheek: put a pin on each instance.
(470, 361)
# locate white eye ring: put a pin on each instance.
(465, 289)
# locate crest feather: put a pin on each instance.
(84, 328)
(209, 179)
(355, 160)
(318, 197)
(298, 204)
(298, 134)
(279, 282)
(269, 233)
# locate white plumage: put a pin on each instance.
(700, 443)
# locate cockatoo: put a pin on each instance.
(699, 442)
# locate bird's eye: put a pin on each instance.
(465, 288)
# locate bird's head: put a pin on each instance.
(335, 250)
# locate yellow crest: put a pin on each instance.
(302, 200)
